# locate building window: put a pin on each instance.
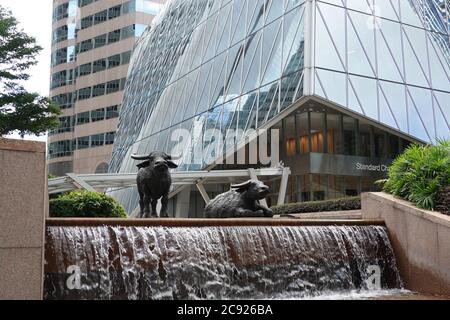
(85, 69)
(86, 22)
(114, 12)
(365, 139)
(86, 45)
(98, 115)
(64, 101)
(98, 140)
(302, 129)
(109, 138)
(349, 136)
(112, 112)
(380, 143)
(114, 36)
(82, 143)
(62, 148)
(316, 131)
(58, 57)
(290, 136)
(84, 93)
(100, 41)
(333, 133)
(101, 17)
(123, 81)
(59, 79)
(61, 34)
(127, 32)
(129, 6)
(98, 90)
(99, 65)
(83, 118)
(65, 125)
(85, 2)
(61, 12)
(113, 86)
(126, 56)
(114, 61)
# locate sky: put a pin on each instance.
(35, 18)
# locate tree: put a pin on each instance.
(26, 112)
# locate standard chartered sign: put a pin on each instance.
(371, 167)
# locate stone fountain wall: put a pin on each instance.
(420, 238)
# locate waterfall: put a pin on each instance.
(214, 262)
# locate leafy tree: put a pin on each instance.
(26, 112)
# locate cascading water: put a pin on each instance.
(215, 262)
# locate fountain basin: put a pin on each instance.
(214, 259)
(179, 222)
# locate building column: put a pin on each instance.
(182, 204)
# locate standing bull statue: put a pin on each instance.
(241, 201)
(153, 182)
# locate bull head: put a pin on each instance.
(156, 159)
(254, 189)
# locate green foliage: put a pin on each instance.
(20, 110)
(443, 201)
(350, 203)
(419, 173)
(86, 204)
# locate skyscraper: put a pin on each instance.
(92, 41)
(348, 83)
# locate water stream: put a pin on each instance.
(217, 262)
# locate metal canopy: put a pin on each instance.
(184, 178)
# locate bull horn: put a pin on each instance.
(175, 157)
(241, 185)
(139, 157)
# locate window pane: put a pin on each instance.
(100, 41)
(85, 69)
(83, 117)
(98, 140)
(316, 131)
(114, 36)
(101, 17)
(97, 115)
(302, 127)
(83, 143)
(290, 136)
(99, 65)
(114, 12)
(98, 90)
(109, 138)
(334, 133)
(114, 61)
(349, 136)
(112, 112)
(113, 86)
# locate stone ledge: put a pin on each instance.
(176, 222)
(420, 238)
(326, 215)
(22, 145)
(404, 205)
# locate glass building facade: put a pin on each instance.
(348, 83)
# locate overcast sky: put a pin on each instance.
(35, 18)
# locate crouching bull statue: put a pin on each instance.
(242, 201)
(153, 182)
